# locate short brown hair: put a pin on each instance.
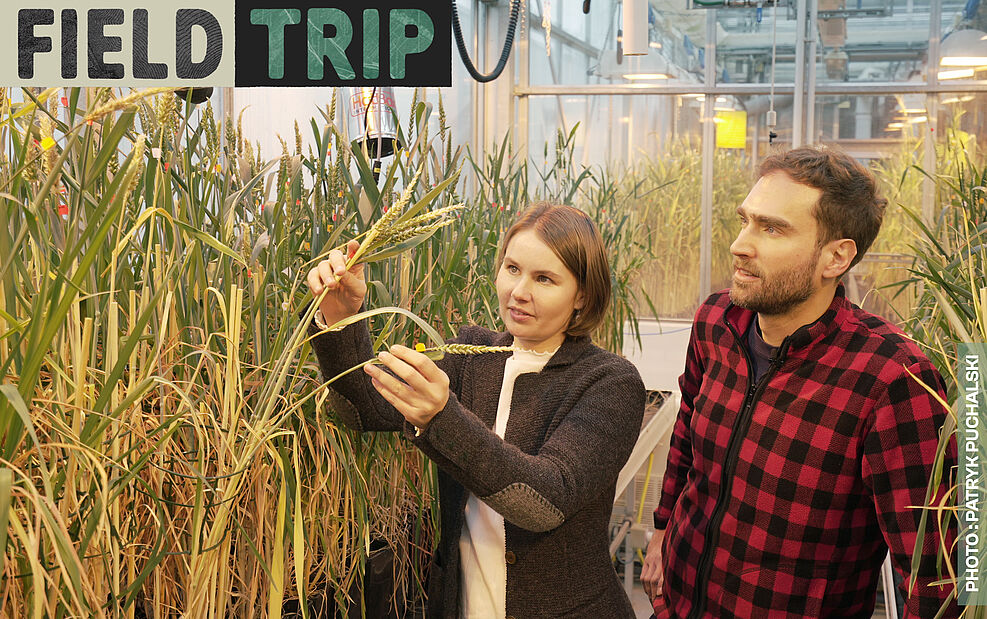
(575, 239)
(849, 207)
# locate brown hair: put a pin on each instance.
(849, 207)
(574, 238)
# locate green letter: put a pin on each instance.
(333, 48)
(275, 20)
(401, 44)
(371, 44)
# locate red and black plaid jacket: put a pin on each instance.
(781, 498)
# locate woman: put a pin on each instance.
(528, 443)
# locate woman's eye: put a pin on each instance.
(770, 230)
(512, 269)
(544, 279)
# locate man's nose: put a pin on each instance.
(742, 245)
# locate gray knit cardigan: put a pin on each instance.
(572, 427)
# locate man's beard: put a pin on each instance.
(777, 294)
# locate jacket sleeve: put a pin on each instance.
(680, 447)
(580, 459)
(361, 407)
(900, 453)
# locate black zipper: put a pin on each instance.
(733, 454)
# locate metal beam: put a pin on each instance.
(708, 150)
(932, 112)
(534, 22)
(828, 88)
(812, 26)
(798, 127)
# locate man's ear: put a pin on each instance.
(838, 255)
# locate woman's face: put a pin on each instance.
(537, 293)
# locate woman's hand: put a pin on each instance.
(420, 389)
(346, 288)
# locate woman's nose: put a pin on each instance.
(521, 290)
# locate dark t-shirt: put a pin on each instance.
(761, 352)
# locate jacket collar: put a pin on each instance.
(572, 348)
(832, 319)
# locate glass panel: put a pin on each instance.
(962, 118)
(862, 41)
(865, 126)
(963, 46)
(644, 154)
(744, 45)
(872, 41)
(584, 47)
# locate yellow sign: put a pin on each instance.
(731, 129)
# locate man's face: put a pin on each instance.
(776, 262)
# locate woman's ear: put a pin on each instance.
(580, 301)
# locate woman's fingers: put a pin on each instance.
(406, 372)
(392, 384)
(418, 390)
(314, 281)
(425, 366)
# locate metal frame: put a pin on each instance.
(805, 91)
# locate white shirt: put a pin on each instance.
(482, 544)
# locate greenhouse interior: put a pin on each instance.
(187, 431)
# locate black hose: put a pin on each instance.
(508, 43)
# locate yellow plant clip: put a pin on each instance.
(47, 143)
(420, 347)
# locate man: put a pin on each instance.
(802, 442)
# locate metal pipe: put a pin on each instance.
(932, 112)
(797, 106)
(812, 26)
(708, 148)
(621, 534)
(478, 108)
(828, 88)
(522, 65)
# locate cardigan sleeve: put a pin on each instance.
(680, 447)
(900, 451)
(361, 407)
(580, 459)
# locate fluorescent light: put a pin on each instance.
(896, 125)
(956, 74)
(963, 99)
(918, 119)
(913, 110)
(964, 61)
(657, 45)
(645, 76)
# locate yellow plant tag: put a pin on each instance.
(47, 143)
(420, 347)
